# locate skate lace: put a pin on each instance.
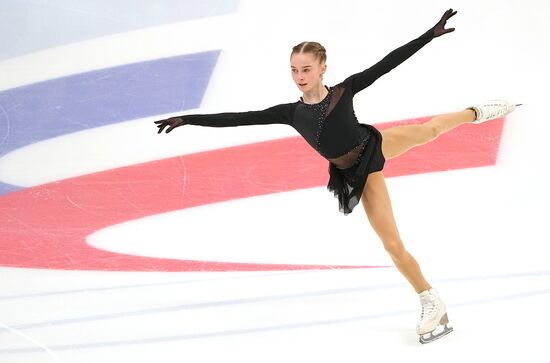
(428, 310)
(495, 110)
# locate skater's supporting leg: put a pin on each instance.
(377, 204)
(397, 140)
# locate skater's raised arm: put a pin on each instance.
(362, 80)
(280, 114)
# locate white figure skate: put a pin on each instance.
(492, 109)
(434, 317)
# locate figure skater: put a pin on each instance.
(356, 152)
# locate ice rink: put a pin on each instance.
(222, 244)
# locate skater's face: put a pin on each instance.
(307, 71)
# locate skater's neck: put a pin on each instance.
(315, 95)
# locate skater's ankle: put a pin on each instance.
(423, 289)
(473, 113)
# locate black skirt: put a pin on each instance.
(347, 184)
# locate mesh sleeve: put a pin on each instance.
(362, 80)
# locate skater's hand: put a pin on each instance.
(171, 123)
(439, 28)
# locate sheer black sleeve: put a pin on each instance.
(362, 80)
(280, 114)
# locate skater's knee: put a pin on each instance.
(424, 133)
(431, 131)
(395, 248)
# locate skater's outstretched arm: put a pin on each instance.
(280, 114)
(362, 80)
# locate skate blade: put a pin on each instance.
(430, 337)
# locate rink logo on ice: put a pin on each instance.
(46, 226)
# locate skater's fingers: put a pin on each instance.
(161, 128)
(448, 14)
(171, 123)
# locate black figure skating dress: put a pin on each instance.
(330, 126)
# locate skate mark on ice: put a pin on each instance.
(256, 330)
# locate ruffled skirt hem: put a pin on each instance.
(347, 184)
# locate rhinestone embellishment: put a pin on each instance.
(320, 112)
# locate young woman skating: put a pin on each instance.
(356, 152)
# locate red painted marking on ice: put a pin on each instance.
(46, 226)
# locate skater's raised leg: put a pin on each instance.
(400, 139)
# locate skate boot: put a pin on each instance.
(434, 317)
(492, 109)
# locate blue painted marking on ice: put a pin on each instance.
(61, 106)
